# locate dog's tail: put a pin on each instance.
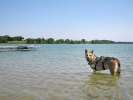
(86, 54)
(117, 67)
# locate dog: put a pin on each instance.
(102, 63)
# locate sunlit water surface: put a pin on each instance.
(60, 72)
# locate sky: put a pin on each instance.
(73, 19)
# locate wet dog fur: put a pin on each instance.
(102, 63)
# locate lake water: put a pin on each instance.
(60, 72)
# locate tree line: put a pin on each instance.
(54, 41)
(7, 39)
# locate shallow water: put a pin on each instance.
(60, 72)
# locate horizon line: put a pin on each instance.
(65, 38)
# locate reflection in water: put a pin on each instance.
(101, 86)
(60, 72)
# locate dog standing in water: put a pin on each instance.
(102, 63)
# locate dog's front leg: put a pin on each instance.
(94, 71)
(93, 67)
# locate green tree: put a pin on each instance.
(67, 41)
(30, 41)
(50, 41)
(83, 41)
(60, 41)
(38, 40)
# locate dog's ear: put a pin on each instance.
(85, 50)
(92, 51)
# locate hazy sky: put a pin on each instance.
(74, 19)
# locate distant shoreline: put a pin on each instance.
(24, 42)
(21, 40)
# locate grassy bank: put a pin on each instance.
(16, 42)
(21, 40)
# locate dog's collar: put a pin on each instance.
(95, 61)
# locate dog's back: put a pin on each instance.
(107, 63)
(102, 63)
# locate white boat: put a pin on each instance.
(16, 48)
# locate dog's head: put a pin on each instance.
(90, 56)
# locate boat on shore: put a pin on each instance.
(16, 48)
